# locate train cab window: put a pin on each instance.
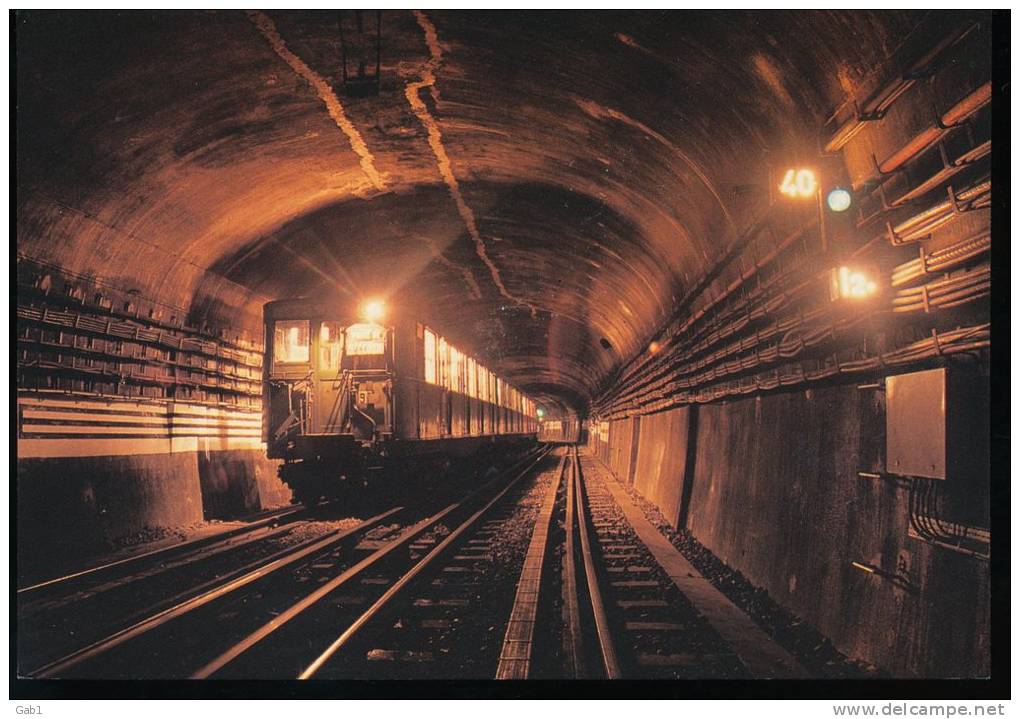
(331, 346)
(290, 341)
(365, 347)
(366, 339)
(431, 366)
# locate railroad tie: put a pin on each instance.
(515, 657)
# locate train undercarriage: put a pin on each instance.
(341, 468)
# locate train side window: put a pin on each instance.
(331, 345)
(454, 384)
(431, 374)
(444, 363)
(290, 341)
(366, 339)
(472, 378)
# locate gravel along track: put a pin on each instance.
(658, 633)
(448, 622)
(812, 649)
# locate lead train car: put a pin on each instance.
(346, 399)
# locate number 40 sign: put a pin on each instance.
(799, 183)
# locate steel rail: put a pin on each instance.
(412, 574)
(188, 560)
(282, 559)
(610, 662)
(196, 543)
(30, 607)
(518, 640)
(236, 650)
(570, 596)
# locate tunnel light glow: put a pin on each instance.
(540, 412)
(853, 284)
(799, 183)
(839, 200)
(373, 311)
(654, 347)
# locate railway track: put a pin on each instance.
(643, 626)
(174, 637)
(433, 567)
(61, 613)
(133, 562)
(547, 571)
(443, 618)
(629, 606)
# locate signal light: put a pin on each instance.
(540, 412)
(839, 200)
(852, 284)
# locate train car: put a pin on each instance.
(559, 430)
(348, 397)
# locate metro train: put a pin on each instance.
(349, 397)
(566, 430)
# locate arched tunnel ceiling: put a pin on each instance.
(542, 187)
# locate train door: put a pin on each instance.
(334, 390)
(289, 406)
(366, 367)
(445, 408)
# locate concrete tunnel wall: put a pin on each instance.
(804, 516)
(117, 497)
(129, 422)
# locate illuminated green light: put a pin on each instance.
(839, 200)
(540, 412)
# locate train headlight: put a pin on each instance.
(373, 311)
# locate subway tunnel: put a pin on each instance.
(722, 276)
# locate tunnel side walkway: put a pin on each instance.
(759, 653)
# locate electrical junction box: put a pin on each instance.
(937, 424)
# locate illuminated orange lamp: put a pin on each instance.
(654, 347)
(373, 311)
(851, 284)
(799, 183)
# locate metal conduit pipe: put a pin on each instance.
(732, 320)
(967, 339)
(655, 368)
(948, 121)
(924, 223)
(952, 291)
(880, 102)
(943, 259)
(943, 296)
(651, 363)
(949, 170)
(945, 293)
